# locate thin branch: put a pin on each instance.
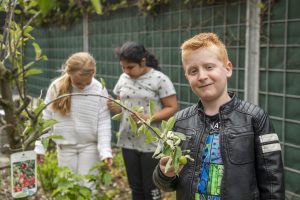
(99, 95)
(34, 136)
(32, 18)
(4, 127)
(6, 29)
(23, 94)
(26, 102)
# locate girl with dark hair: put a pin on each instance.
(140, 82)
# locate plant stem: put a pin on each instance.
(102, 96)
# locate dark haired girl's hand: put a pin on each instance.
(137, 116)
(112, 106)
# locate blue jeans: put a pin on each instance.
(139, 168)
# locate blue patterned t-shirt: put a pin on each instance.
(211, 172)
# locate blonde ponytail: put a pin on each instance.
(63, 86)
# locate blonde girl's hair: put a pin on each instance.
(204, 40)
(81, 62)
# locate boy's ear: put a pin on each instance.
(228, 69)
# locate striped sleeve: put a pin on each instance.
(104, 129)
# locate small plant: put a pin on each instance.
(47, 171)
(69, 186)
(61, 183)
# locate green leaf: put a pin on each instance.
(168, 165)
(33, 71)
(28, 130)
(103, 83)
(55, 137)
(85, 192)
(45, 6)
(132, 124)
(117, 117)
(45, 142)
(39, 107)
(180, 135)
(157, 150)
(37, 50)
(98, 6)
(48, 123)
(163, 124)
(141, 130)
(29, 64)
(149, 137)
(170, 123)
(18, 11)
(27, 31)
(107, 179)
(176, 156)
(44, 57)
(151, 108)
(118, 134)
(157, 130)
(139, 109)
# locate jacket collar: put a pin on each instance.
(225, 108)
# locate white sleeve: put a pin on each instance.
(47, 112)
(104, 129)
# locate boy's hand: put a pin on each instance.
(112, 106)
(162, 165)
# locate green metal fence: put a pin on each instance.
(279, 83)
(163, 34)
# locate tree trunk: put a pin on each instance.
(7, 104)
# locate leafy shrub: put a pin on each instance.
(62, 184)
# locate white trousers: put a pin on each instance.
(79, 158)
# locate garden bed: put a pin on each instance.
(119, 188)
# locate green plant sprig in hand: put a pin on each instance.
(167, 140)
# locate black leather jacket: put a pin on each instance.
(251, 170)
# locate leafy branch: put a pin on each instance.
(167, 140)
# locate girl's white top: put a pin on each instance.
(154, 85)
(88, 122)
